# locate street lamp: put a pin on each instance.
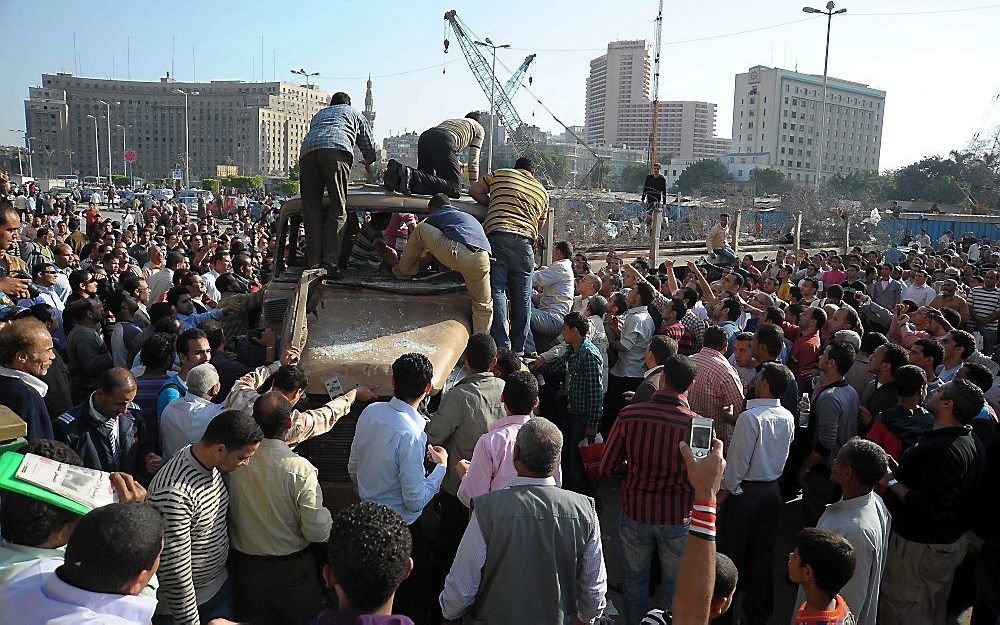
(304, 73)
(187, 140)
(97, 147)
(124, 160)
(829, 12)
(108, 106)
(489, 44)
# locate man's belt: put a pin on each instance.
(284, 558)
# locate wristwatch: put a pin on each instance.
(892, 482)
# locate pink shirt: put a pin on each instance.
(492, 466)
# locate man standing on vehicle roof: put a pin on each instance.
(457, 241)
(438, 168)
(325, 164)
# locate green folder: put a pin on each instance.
(9, 463)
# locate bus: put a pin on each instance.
(69, 180)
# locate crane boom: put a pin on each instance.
(523, 144)
(515, 80)
(656, 87)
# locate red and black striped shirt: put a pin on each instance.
(643, 448)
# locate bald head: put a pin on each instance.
(590, 285)
(273, 413)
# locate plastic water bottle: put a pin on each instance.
(804, 408)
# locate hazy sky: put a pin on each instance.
(937, 68)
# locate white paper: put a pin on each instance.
(88, 487)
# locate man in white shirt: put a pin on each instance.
(221, 263)
(924, 240)
(184, 419)
(555, 299)
(863, 519)
(112, 554)
(587, 286)
(630, 338)
(919, 291)
(749, 497)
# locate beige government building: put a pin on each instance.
(258, 127)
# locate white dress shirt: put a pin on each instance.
(637, 330)
(41, 597)
(184, 421)
(465, 577)
(922, 295)
(556, 281)
(208, 281)
(760, 443)
(387, 459)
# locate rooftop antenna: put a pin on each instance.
(173, 46)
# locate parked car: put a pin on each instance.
(60, 193)
(163, 194)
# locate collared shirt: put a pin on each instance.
(387, 459)
(305, 424)
(15, 559)
(805, 354)
(276, 503)
(492, 466)
(191, 321)
(184, 421)
(517, 203)
(208, 281)
(640, 449)
(585, 386)
(760, 443)
(464, 581)
(27, 378)
(110, 423)
(637, 330)
(464, 415)
(716, 387)
(41, 597)
(340, 127)
(716, 239)
(556, 281)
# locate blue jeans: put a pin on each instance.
(989, 342)
(727, 254)
(221, 605)
(547, 325)
(510, 276)
(639, 543)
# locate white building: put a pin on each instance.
(777, 112)
(402, 147)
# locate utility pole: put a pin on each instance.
(187, 138)
(108, 107)
(97, 146)
(487, 43)
(305, 74)
(829, 12)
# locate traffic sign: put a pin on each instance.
(177, 174)
(130, 155)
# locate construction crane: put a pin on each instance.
(656, 87)
(522, 141)
(515, 80)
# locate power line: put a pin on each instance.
(928, 12)
(403, 73)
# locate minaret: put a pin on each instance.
(369, 103)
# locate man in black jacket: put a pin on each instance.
(105, 429)
(654, 189)
(932, 495)
(25, 355)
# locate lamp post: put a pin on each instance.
(97, 147)
(20, 164)
(829, 12)
(108, 120)
(487, 43)
(124, 160)
(305, 74)
(187, 139)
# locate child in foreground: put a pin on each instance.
(821, 564)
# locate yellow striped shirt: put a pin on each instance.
(517, 202)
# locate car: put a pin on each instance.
(163, 194)
(88, 194)
(350, 330)
(60, 193)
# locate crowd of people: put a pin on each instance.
(855, 392)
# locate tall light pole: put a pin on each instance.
(20, 164)
(305, 74)
(97, 147)
(124, 160)
(187, 139)
(829, 12)
(487, 43)
(108, 120)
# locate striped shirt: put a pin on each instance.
(517, 202)
(643, 447)
(194, 502)
(340, 127)
(985, 304)
(466, 133)
(716, 387)
(363, 254)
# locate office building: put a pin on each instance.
(619, 112)
(402, 147)
(776, 112)
(257, 127)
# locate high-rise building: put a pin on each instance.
(402, 147)
(776, 115)
(258, 127)
(619, 112)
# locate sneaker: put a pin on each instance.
(404, 180)
(390, 179)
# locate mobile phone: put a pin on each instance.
(701, 436)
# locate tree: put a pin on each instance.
(599, 176)
(862, 186)
(946, 190)
(557, 165)
(211, 184)
(701, 173)
(633, 177)
(288, 187)
(293, 171)
(767, 180)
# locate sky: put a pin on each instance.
(932, 57)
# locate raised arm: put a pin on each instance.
(706, 288)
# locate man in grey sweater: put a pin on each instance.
(832, 422)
